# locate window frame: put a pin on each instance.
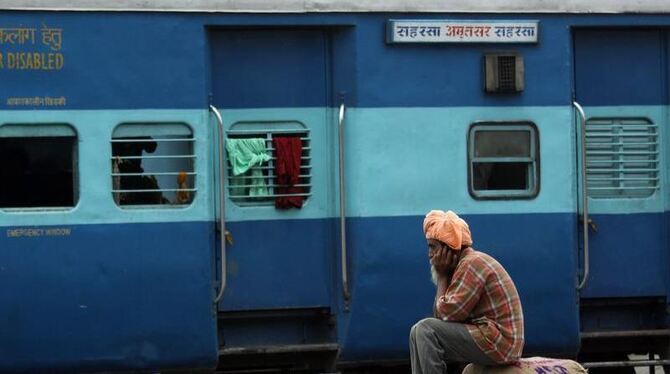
(267, 129)
(193, 190)
(48, 130)
(533, 160)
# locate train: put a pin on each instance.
(236, 185)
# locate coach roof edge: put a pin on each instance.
(316, 6)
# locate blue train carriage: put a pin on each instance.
(131, 241)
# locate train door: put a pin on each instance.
(271, 86)
(621, 83)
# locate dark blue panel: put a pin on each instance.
(105, 297)
(162, 60)
(452, 74)
(343, 63)
(628, 256)
(151, 60)
(110, 60)
(269, 68)
(391, 286)
(295, 257)
(390, 280)
(620, 67)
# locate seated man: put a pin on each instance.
(478, 316)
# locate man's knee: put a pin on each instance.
(423, 328)
(412, 333)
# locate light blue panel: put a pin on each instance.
(399, 161)
(655, 203)
(96, 205)
(406, 161)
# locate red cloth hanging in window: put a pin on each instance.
(287, 171)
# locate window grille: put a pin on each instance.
(239, 186)
(622, 157)
(503, 160)
(507, 73)
(39, 166)
(153, 164)
(503, 72)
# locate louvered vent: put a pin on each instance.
(504, 72)
(622, 157)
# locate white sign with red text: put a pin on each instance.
(437, 31)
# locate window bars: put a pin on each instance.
(239, 186)
(153, 164)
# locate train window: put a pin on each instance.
(153, 164)
(281, 173)
(39, 166)
(503, 160)
(622, 157)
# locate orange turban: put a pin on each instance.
(448, 228)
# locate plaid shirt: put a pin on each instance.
(482, 295)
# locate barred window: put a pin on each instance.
(153, 164)
(622, 157)
(503, 160)
(264, 181)
(39, 166)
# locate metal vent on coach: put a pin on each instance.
(504, 72)
(623, 157)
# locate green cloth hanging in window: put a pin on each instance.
(246, 155)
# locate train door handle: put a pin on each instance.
(585, 198)
(223, 236)
(343, 215)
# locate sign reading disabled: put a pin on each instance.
(31, 48)
(446, 31)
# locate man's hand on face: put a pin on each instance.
(444, 260)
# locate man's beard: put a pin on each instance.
(433, 274)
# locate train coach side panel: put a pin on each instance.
(134, 288)
(86, 297)
(409, 139)
(99, 286)
(96, 286)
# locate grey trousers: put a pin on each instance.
(433, 342)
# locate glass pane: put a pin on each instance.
(515, 143)
(500, 176)
(37, 172)
(36, 131)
